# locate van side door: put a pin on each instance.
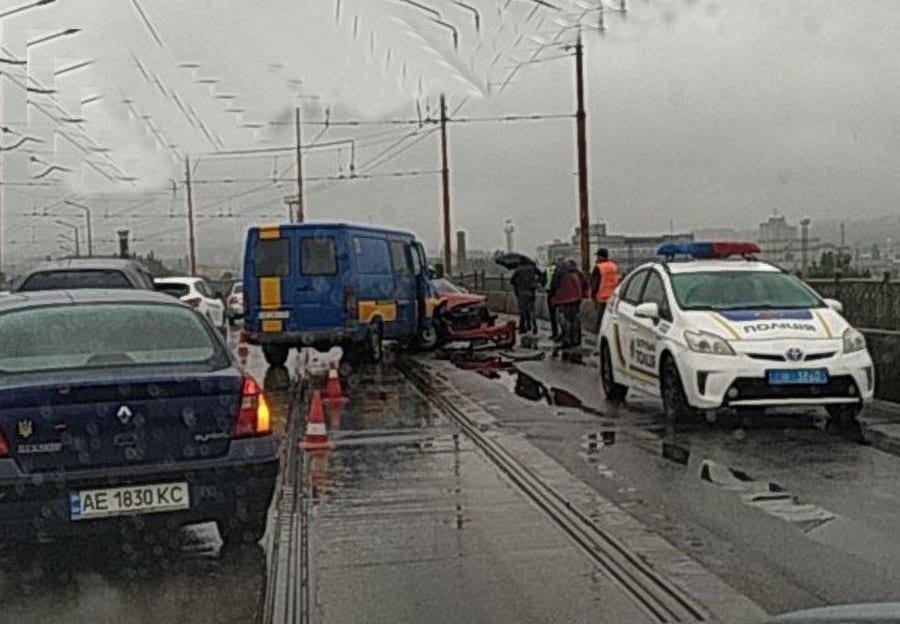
(405, 291)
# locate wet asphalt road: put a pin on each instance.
(143, 577)
(409, 523)
(789, 514)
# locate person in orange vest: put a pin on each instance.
(604, 279)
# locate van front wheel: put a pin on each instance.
(276, 355)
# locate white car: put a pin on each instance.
(719, 331)
(236, 302)
(197, 293)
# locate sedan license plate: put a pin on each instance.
(132, 499)
(798, 376)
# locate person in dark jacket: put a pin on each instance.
(526, 279)
(569, 288)
(551, 307)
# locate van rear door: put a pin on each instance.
(314, 287)
(267, 263)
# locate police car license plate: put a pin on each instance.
(802, 376)
(133, 499)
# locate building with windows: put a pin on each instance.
(627, 250)
(781, 243)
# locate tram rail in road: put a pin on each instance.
(658, 597)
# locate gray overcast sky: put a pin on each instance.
(708, 113)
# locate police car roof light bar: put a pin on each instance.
(708, 250)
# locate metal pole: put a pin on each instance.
(77, 244)
(190, 216)
(90, 241)
(299, 166)
(581, 122)
(445, 183)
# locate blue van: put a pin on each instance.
(325, 284)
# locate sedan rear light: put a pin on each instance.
(193, 301)
(253, 417)
(4, 446)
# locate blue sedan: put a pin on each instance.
(126, 408)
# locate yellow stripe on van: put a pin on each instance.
(270, 293)
(728, 326)
(824, 323)
(386, 310)
(272, 326)
(270, 232)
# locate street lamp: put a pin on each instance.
(87, 216)
(74, 235)
(25, 7)
(51, 36)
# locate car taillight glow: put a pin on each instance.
(253, 418)
(4, 446)
(193, 301)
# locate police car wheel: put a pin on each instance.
(675, 404)
(843, 415)
(614, 392)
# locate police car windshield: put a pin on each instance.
(742, 290)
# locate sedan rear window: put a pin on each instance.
(73, 279)
(176, 290)
(67, 337)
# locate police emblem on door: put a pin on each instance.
(25, 428)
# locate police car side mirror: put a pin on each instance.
(649, 310)
(835, 305)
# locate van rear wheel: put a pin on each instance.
(276, 355)
(375, 346)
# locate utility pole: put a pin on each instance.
(804, 244)
(299, 166)
(290, 201)
(87, 218)
(581, 131)
(445, 183)
(190, 216)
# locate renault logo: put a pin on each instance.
(793, 354)
(25, 428)
(124, 414)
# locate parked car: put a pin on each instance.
(235, 308)
(458, 309)
(334, 284)
(125, 411)
(196, 292)
(76, 273)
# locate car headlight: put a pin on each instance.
(705, 342)
(853, 341)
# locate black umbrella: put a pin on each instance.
(513, 260)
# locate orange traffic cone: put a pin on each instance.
(334, 416)
(242, 350)
(334, 394)
(316, 438)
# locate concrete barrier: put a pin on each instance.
(884, 345)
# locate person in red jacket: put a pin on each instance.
(569, 288)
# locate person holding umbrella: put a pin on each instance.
(526, 279)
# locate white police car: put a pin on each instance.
(722, 330)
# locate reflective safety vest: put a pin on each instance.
(609, 279)
(549, 273)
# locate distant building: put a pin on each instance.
(628, 251)
(781, 244)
